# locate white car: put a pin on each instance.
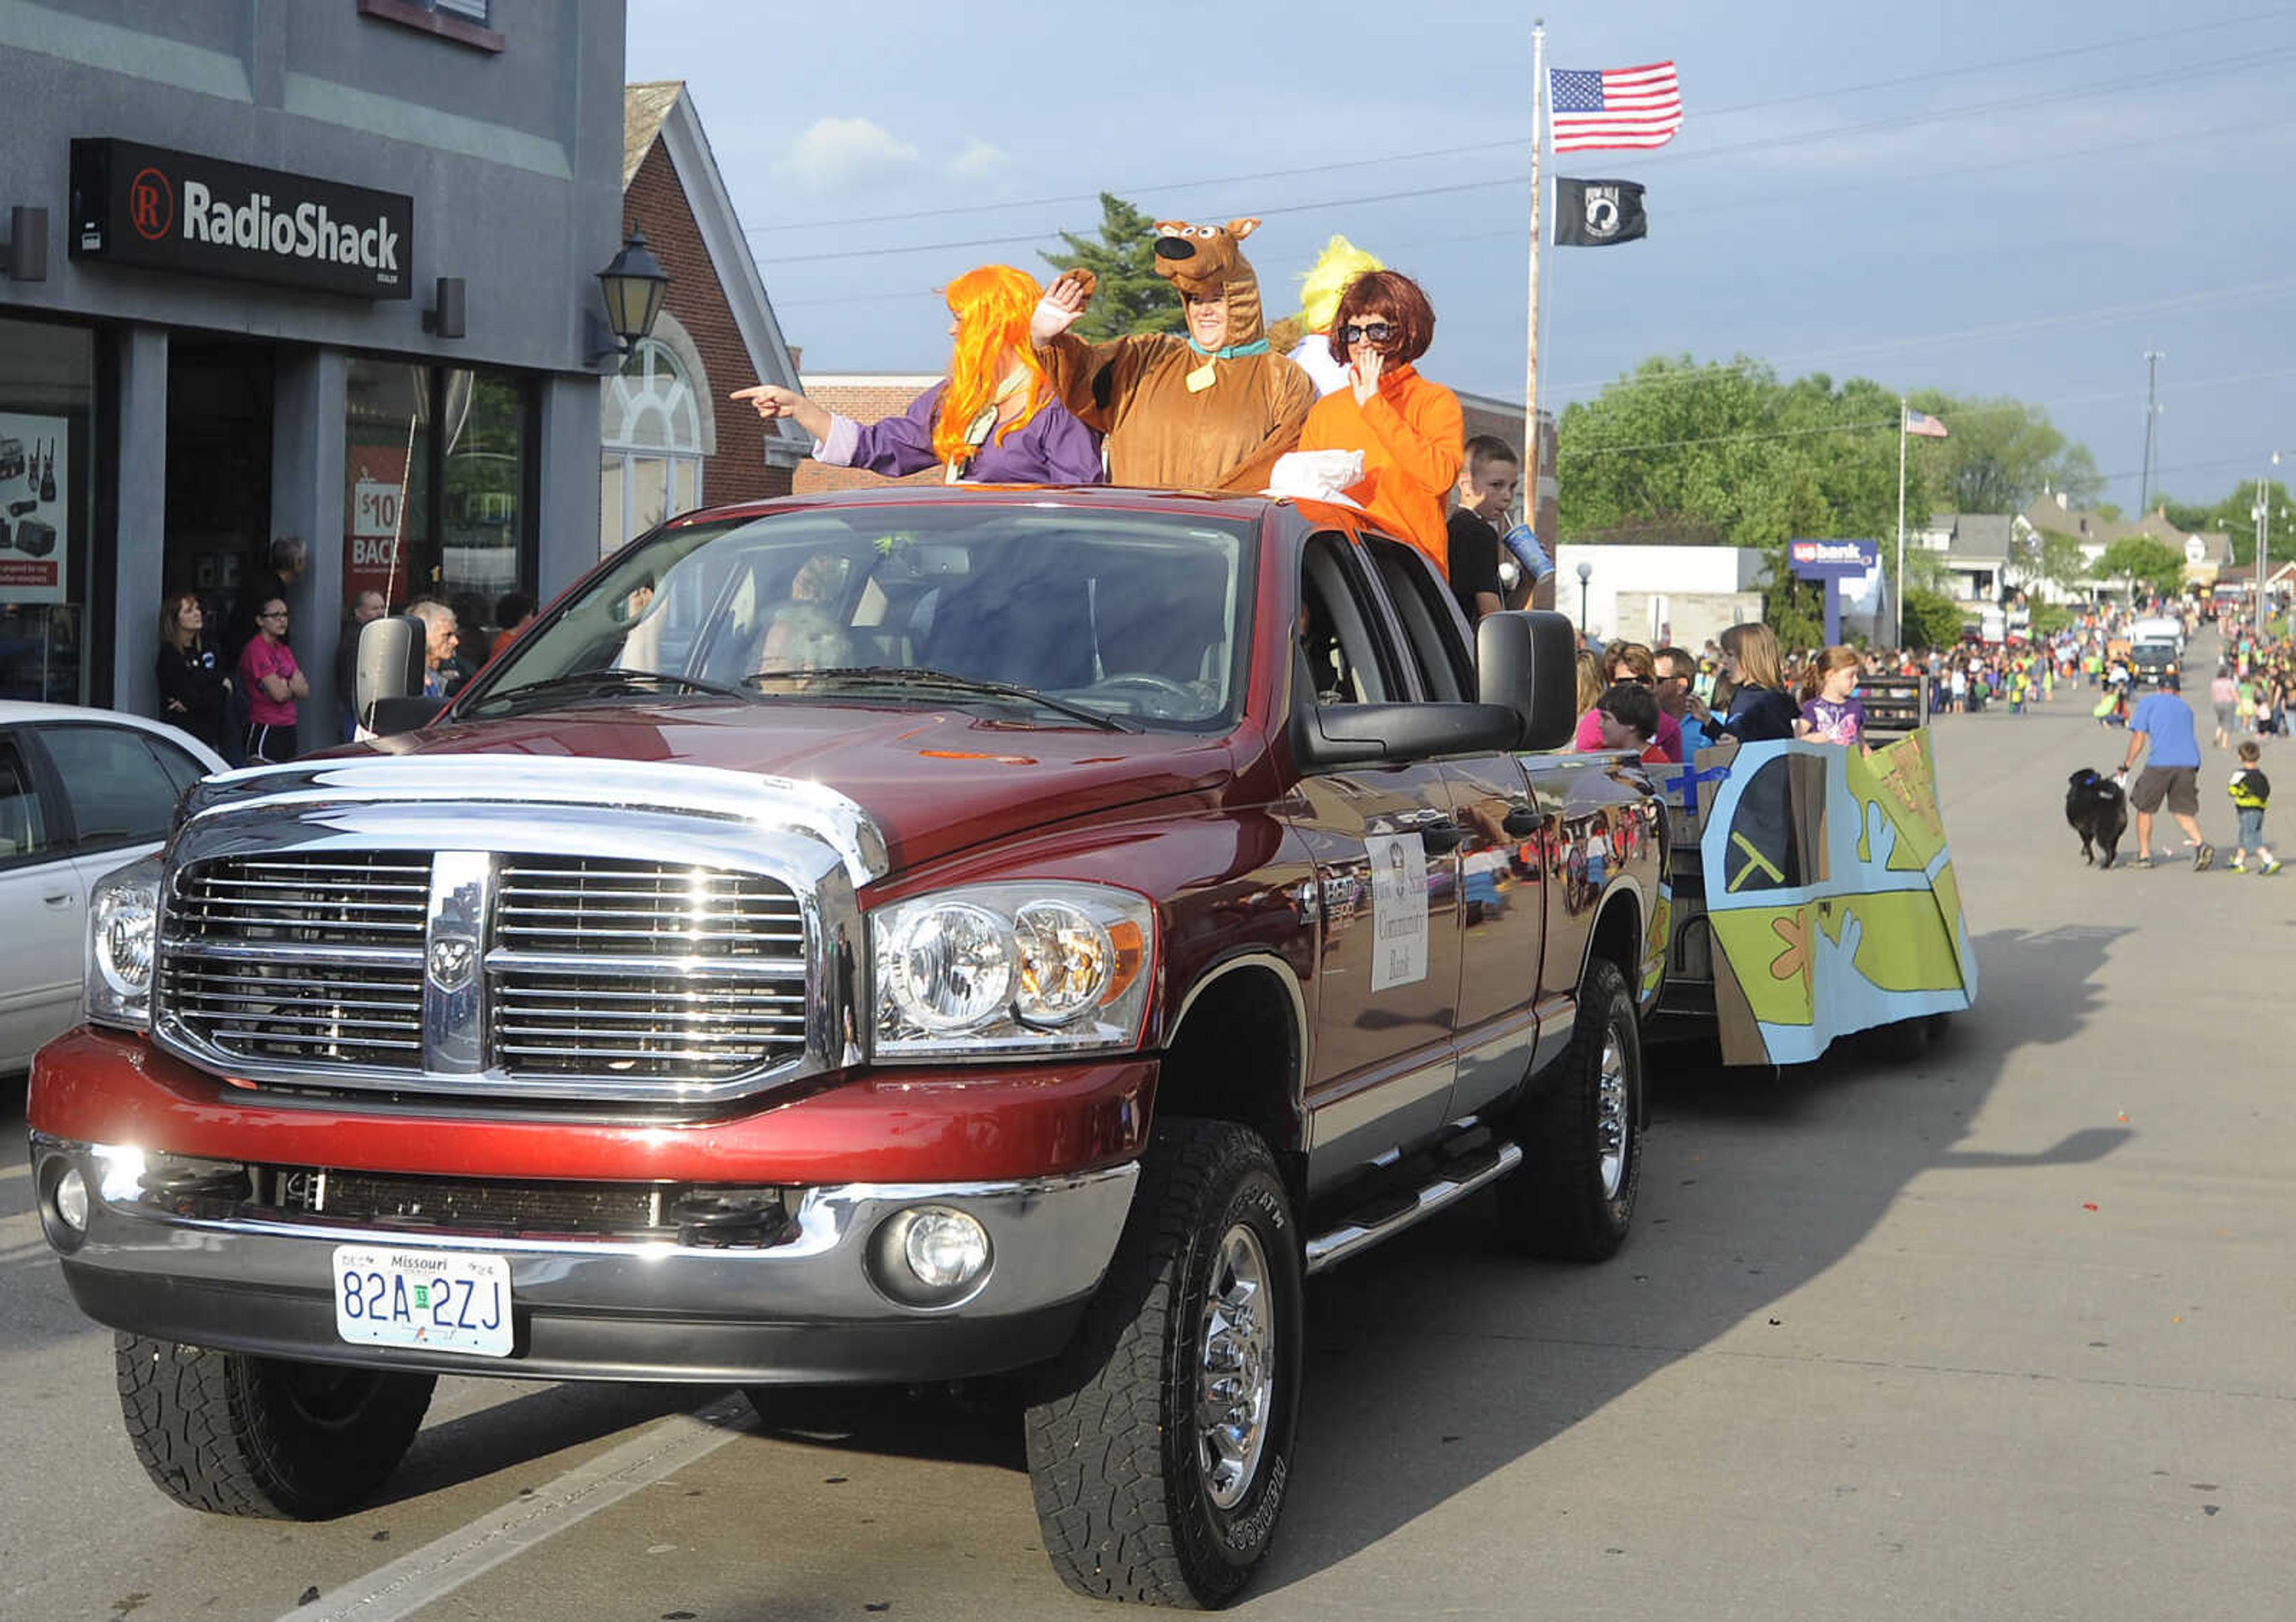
(81, 792)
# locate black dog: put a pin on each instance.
(2099, 812)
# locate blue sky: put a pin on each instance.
(1984, 198)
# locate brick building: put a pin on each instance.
(669, 440)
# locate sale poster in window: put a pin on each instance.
(375, 521)
(35, 488)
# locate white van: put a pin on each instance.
(2161, 629)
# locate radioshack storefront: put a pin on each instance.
(358, 322)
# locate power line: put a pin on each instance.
(2157, 76)
(1958, 72)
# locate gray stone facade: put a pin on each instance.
(510, 144)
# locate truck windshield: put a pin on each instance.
(1066, 615)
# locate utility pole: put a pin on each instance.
(2153, 359)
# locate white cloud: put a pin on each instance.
(979, 162)
(843, 153)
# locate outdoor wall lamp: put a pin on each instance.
(24, 256)
(448, 304)
(634, 285)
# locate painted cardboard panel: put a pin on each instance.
(1832, 897)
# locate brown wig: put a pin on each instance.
(1394, 298)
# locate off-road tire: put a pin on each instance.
(1559, 1203)
(1124, 1503)
(236, 1435)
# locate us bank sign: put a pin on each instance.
(147, 206)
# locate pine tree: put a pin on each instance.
(1130, 297)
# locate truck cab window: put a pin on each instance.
(1431, 622)
(1336, 636)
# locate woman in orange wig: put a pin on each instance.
(994, 420)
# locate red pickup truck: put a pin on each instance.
(896, 937)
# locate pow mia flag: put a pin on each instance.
(1597, 213)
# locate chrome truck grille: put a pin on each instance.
(526, 976)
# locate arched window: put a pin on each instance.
(655, 426)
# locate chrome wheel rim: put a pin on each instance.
(1235, 1369)
(1610, 1104)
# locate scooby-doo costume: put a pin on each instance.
(1177, 415)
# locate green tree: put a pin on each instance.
(2140, 559)
(1932, 619)
(1130, 296)
(2234, 517)
(2001, 454)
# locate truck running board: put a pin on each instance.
(1453, 1180)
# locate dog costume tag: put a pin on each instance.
(1203, 377)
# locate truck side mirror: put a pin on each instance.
(391, 661)
(1528, 661)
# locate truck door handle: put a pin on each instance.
(60, 901)
(1441, 835)
(1522, 821)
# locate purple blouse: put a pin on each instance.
(1051, 448)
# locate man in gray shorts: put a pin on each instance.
(2163, 723)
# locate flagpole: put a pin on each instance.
(1530, 468)
(1900, 638)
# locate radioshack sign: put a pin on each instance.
(169, 210)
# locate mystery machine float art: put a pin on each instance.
(1829, 895)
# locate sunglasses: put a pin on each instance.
(1378, 332)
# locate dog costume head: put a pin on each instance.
(1206, 259)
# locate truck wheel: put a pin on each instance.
(1161, 1447)
(236, 1435)
(1573, 1199)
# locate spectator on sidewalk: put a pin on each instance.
(273, 682)
(1679, 697)
(1760, 711)
(193, 685)
(364, 611)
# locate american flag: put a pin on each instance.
(1924, 425)
(1616, 107)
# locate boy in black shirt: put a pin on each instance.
(1488, 477)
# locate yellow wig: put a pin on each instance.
(992, 306)
(1339, 263)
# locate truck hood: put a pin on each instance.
(934, 780)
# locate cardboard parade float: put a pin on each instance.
(1811, 892)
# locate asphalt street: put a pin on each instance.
(2002, 1330)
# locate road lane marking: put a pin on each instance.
(439, 1568)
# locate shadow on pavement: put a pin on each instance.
(1441, 1359)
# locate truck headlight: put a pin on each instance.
(1011, 969)
(123, 945)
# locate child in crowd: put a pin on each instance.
(2251, 791)
(1831, 713)
(1628, 715)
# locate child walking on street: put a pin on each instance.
(2251, 791)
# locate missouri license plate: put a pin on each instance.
(437, 1300)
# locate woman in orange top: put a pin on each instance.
(1409, 430)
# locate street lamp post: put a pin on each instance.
(1586, 573)
(2263, 546)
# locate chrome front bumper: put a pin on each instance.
(803, 1311)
